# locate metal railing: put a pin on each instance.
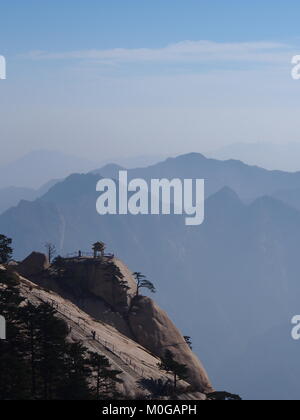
(86, 254)
(80, 322)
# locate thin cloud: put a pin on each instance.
(182, 52)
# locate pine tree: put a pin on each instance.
(46, 336)
(14, 378)
(37, 362)
(143, 283)
(169, 365)
(105, 377)
(5, 249)
(75, 385)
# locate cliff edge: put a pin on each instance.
(105, 289)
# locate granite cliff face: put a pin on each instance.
(105, 289)
(154, 330)
(124, 355)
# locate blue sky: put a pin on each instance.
(66, 24)
(140, 76)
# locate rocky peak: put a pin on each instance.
(35, 264)
(105, 289)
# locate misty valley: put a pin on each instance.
(240, 267)
(149, 204)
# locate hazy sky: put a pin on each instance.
(110, 78)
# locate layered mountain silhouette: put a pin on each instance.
(283, 156)
(38, 167)
(290, 197)
(11, 196)
(229, 283)
(249, 182)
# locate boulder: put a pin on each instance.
(154, 330)
(114, 284)
(33, 265)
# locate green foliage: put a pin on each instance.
(37, 362)
(75, 384)
(14, 371)
(5, 249)
(143, 283)
(45, 335)
(223, 396)
(59, 266)
(106, 379)
(169, 365)
(157, 388)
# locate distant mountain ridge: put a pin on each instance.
(249, 182)
(11, 196)
(285, 156)
(233, 280)
(37, 168)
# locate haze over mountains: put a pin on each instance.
(33, 175)
(232, 283)
(285, 157)
(249, 182)
(39, 167)
(11, 196)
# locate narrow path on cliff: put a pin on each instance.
(81, 331)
